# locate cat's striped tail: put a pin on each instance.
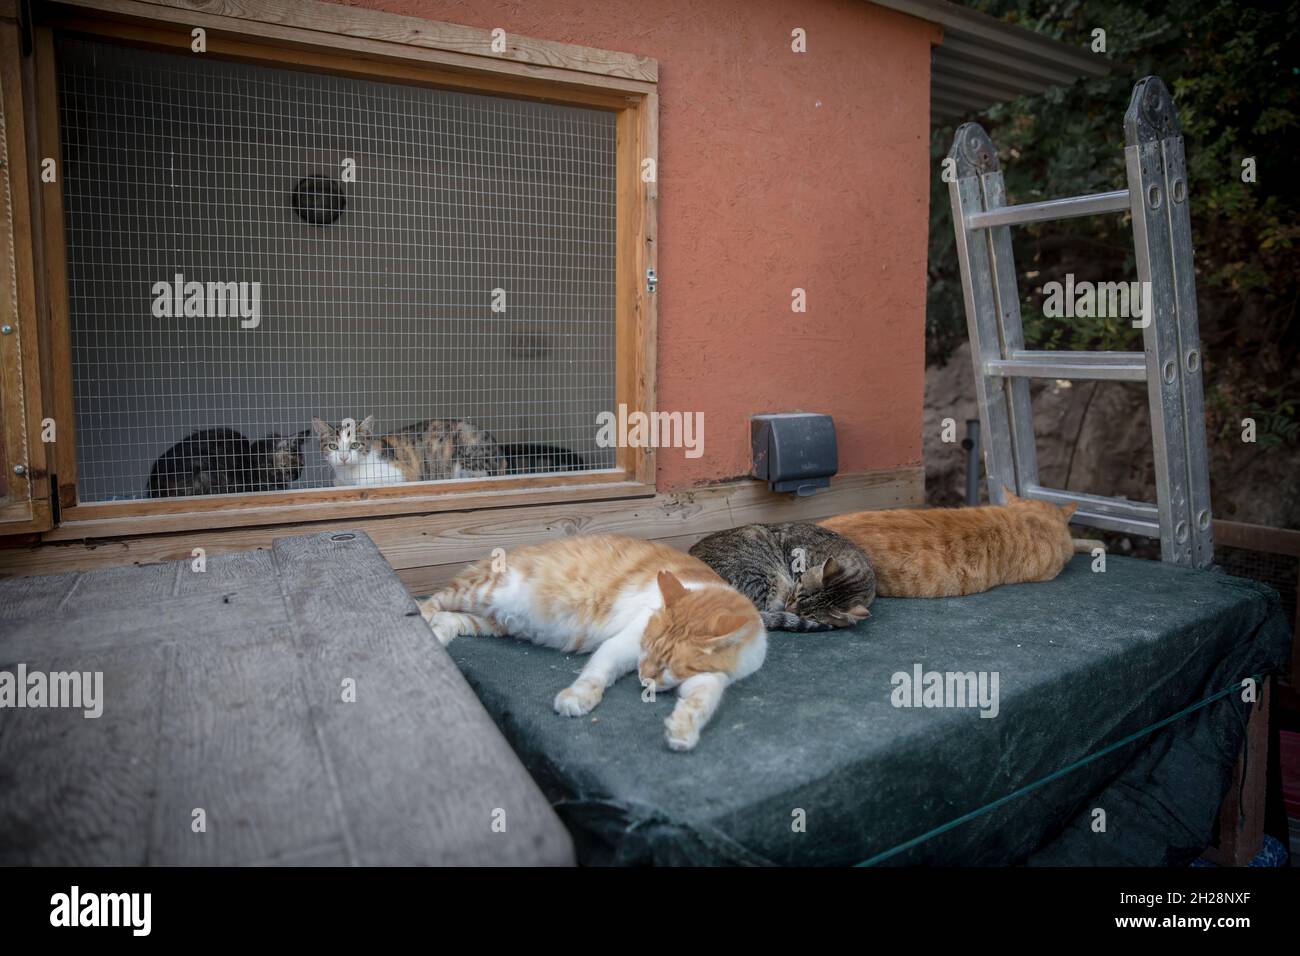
(789, 621)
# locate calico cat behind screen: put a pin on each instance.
(434, 450)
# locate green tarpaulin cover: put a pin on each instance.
(809, 761)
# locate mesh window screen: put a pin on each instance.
(1278, 571)
(230, 278)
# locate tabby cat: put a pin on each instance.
(221, 461)
(801, 577)
(432, 450)
(945, 552)
(631, 604)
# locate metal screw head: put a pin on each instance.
(6, 329)
(20, 469)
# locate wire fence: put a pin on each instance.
(251, 248)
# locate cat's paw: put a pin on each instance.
(444, 627)
(428, 606)
(682, 733)
(578, 699)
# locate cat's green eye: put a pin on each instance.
(356, 444)
(332, 446)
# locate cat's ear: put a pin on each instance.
(1069, 510)
(831, 570)
(859, 612)
(670, 588)
(321, 428)
(724, 625)
(367, 426)
(1010, 495)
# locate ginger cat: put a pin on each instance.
(631, 604)
(947, 552)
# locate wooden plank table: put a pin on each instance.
(290, 699)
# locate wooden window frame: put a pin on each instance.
(325, 37)
(24, 502)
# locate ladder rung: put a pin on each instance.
(1108, 514)
(1070, 208)
(1156, 170)
(1115, 366)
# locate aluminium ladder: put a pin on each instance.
(1170, 363)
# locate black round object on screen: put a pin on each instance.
(318, 200)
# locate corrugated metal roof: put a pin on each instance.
(984, 61)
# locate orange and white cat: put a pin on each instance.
(946, 552)
(631, 604)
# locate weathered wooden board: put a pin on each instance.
(435, 546)
(223, 690)
(374, 31)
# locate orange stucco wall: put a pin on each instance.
(777, 170)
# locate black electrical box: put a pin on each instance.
(794, 451)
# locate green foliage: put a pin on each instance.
(1235, 79)
(1276, 417)
(1276, 425)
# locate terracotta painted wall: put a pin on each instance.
(777, 170)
